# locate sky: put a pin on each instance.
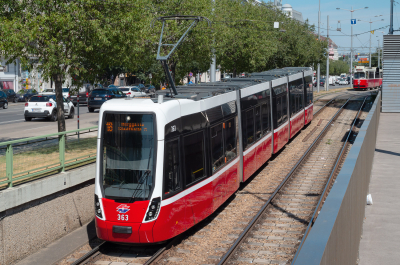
(377, 10)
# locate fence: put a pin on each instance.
(29, 158)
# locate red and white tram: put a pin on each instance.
(366, 78)
(166, 163)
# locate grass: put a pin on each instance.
(41, 158)
(331, 91)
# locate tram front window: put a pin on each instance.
(359, 75)
(128, 156)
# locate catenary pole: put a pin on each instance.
(327, 60)
(351, 51)
(379, 55)
(370, 33)
(213, 66)
(319, 37)
(391, 18)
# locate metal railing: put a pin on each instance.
(29, 158)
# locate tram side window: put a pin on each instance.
(172, 178)
(371, 75)
(278, 110)
(217, 147)
(250, 127)
(309, 90)
(258, 122)
(284, 108)
(230, 140)
(266, 117)
(193, 147)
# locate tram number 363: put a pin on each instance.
(122, 217)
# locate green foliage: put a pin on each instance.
(335, 67)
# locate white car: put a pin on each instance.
(48, 91)
(45, 106)
(65, 92)
(343, 81)
(132, 91)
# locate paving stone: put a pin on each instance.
(84, 251)
(287, 246)
(271, 245)
(251, 251)
(185, 251)
(275, 237)
(238, 228)
(280, 262)
(265, 252)
(261, 237)
(214, 257)
(261, 261)
(174, 259)
(101, 262)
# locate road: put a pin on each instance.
(331, 87)
(13, 125)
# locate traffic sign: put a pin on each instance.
(353, 21)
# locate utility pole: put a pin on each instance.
(351, 51)
(391, 18)
(370, 33)
(213, 66)
(327, 61)
(319, 37)
(379, 57)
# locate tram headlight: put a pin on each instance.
(97, 207)
(153, 209)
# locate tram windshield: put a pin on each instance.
(359, 75)
(128, 156)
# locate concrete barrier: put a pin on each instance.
(335, 236)
(35, 214)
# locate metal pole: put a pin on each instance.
(379, 53)
(77, 99)
(391, 18)
(351, 51)
(213, 66)
(327, 61)
(319, 36)
(370, 23)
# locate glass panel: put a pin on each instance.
(284, 108)
(265, 116)
(217, 147)
(230, 139)
(194, 157)
(128, 155)
(250, 126)
(258, 122)
(172, 178)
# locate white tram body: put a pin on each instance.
(166, 163)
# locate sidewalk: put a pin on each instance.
(380, 243)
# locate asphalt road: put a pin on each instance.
(331, 87)
(13, 125)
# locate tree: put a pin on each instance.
(81, 38)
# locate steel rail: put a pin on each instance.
(328, 183)
(244, 234)
(161, 251)
(89, 254)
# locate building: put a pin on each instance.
(9, 75)
(290, 12)
(333, 49)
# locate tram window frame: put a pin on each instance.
(179, 171)
(226, 142)
(266, 123)
(371, 75)
(185, 160)
(257, 123)
(249, 126)
(222, 146)
(284, 109)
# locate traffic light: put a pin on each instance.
(355, 56)
(344, 56)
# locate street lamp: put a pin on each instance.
(370, 33)
(351, 37)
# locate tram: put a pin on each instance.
(166, 163)
(366, 78)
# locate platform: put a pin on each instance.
(380, 243)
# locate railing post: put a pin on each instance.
(61, 150)
(9, 164)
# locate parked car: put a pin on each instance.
(65, 92)
(26, 94)
(3, 100)
(150, 89)
(11, 95)
(343, 81)
(141, 87)
(98, 96)
(83, 93)
(48, 91)
(131, 91)
(322, 82)
(45, 106)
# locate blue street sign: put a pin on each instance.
(353, 21)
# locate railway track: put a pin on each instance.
(277, 232)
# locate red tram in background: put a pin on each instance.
(166, 163)
(366, 78)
